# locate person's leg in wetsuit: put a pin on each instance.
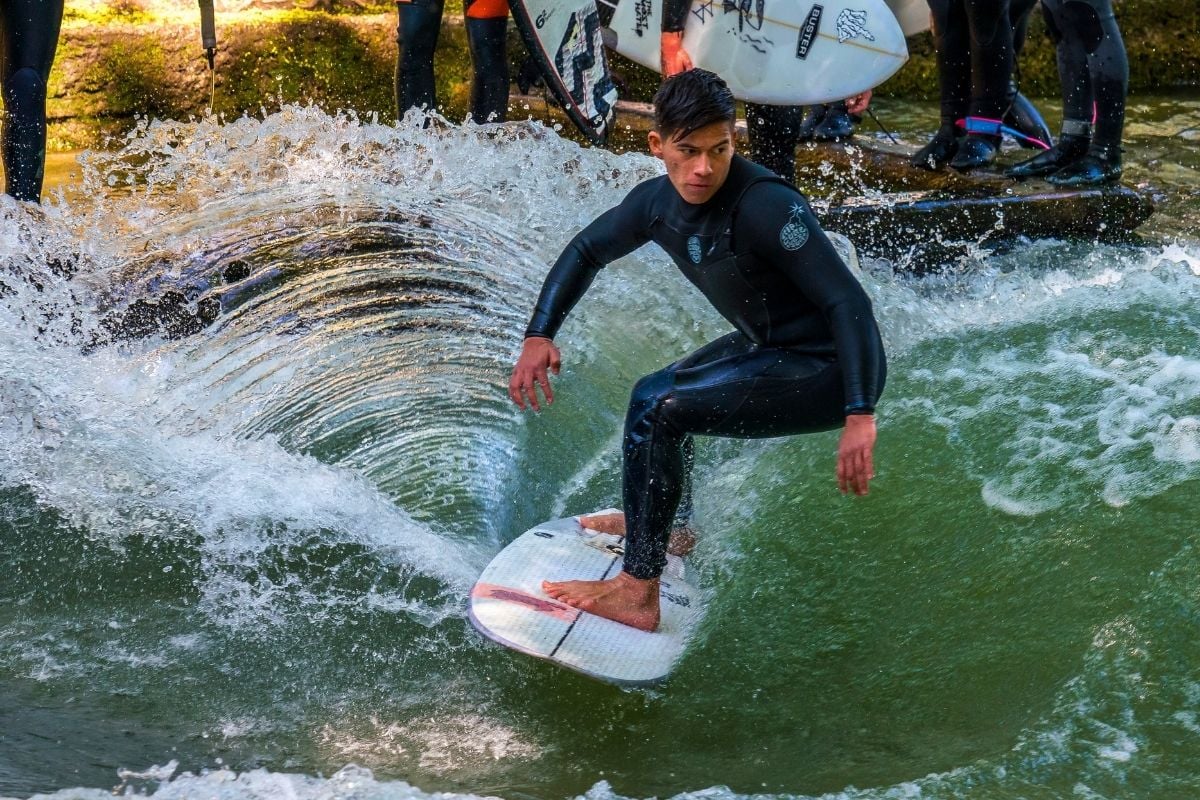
(973, 40)
(951, 43)
(487, 36)
(420, 23)
(730, 387)
(991, 67)
(1094, 73)
(774, 132)
(29, 36)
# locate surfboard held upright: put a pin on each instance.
(508, 606)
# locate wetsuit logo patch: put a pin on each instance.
(808, 31)
(695, 253)
(794, 232)
(852, 24)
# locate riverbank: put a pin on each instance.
(122, 60)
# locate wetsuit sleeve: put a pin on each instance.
(674, 15)
(615, 233)
(781, 229)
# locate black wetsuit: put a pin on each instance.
(1092, 67)
(974, 42)
(805, 351)
(420, 21)
(29, 37)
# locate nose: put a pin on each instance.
(703, 164)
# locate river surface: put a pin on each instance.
(235, 562)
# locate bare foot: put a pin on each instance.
(682, 541)
(624, 599)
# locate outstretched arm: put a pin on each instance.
(617, 232)
(810, 261)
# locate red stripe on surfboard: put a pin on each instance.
(540, 604)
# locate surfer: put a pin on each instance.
(805, 355)
(976, 42)
(420, 21)
(30, 37)
(1094, 72)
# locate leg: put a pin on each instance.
(774, 132)
(683, 538)
(29, 37)
(1090, 32)
(951, 43)
(729, 388)
(991, 69)
(1076, 86)
(420, 21)
(487, 33)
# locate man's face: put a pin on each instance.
(697, 164)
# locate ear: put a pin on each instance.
(656, 144)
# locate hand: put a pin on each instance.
(538, 354)
(858, 104)
(674, 58)
(855, 467)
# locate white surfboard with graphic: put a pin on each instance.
(913, 15)
(776, 52)
(508, 606)
(564, 37)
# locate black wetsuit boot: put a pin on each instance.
(1070, 147)
(976, 150)
(835, 125)
(1099, 165)
(29, 32)
(940, 149)
(489, 89)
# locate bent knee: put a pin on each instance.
(24, 91)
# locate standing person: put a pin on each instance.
(805, 355)
(29, 36)
(974, 44)
(1094, 72)
(420, 22)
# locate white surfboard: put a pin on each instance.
(564, 37)
(508, 606)
(776, 52)
(913, 15)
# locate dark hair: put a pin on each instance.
(691, 100)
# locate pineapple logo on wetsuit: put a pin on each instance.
(694, 251)
(794, 232)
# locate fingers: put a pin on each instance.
(855, 469)
(522, 388)
(544, 381)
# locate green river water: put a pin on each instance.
(235, 563)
